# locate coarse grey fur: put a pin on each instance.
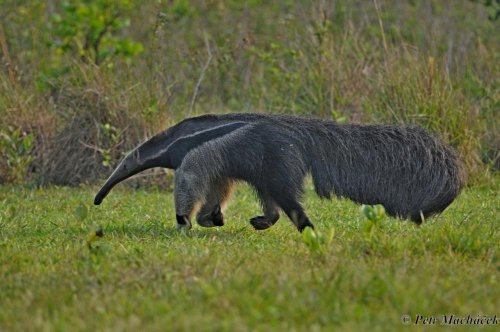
(412, 173)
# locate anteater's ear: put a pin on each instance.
(181, 146)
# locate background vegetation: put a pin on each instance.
(83, 81)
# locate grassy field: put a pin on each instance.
(143, 273)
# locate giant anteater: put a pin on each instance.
(412, 173)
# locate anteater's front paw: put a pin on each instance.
(183, 223)
(260, 223)
(217, 216)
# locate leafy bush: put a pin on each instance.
(16, 147)
(90, 29)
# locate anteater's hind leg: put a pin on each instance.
(271, 214)
(294, 211)
(282, 184)
(418, 217)
(210, 214)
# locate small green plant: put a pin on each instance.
(113, 135)
(97, 248)
(81, 212)
(16, 147)
(93, 237)
(374, 214)
(315, 240)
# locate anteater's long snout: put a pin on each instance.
(128, 167)
(101, 195)
(106, 188)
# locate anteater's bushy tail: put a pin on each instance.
(411, 172)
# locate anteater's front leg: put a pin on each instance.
(210, 214)
(187, 195)
(280, 188)
(289, 203)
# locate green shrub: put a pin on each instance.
(16, 147)
(90, 29)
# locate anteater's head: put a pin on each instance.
(129, 166)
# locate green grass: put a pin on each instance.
(144, 273)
